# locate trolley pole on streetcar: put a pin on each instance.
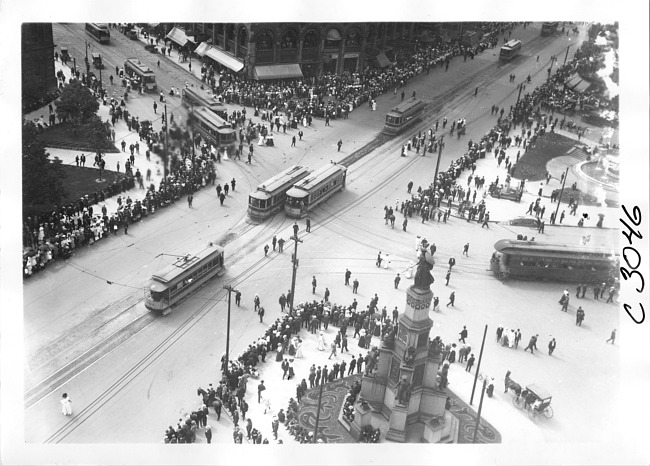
(226, 366)
(295, 262)
(559, 199)
(478, 368)
(480, 406)
(320, 398)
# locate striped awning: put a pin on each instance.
(226, 60)
(201, 49)
(177, 36)
(383, 60)
(289, 71)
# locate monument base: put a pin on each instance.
(397, 424)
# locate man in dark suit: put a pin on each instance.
(353, 365)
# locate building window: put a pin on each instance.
(290, 40)
(311, 39)
(265, 41)
(243, 37)
(354, 38)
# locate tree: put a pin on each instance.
(42, 178)
(76, 104)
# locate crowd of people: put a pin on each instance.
(333, 96)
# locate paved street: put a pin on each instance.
(140, 386)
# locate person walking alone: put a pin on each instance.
(66, 405)
(551, 346)
(612, 337)
(532, 344)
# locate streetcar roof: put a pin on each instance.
(183, 263)
(208, 115)
(297, 193)
(407, 105)
(139, 66)
(520, 247)
(203, 95)
(511, 43)
(290, 175)
(541, 392)
(317, 177)
(261, 195)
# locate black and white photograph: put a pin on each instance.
(411, 233)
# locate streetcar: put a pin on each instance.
(314, 189)
(557, 262)
(185, 275)
(550, 27)
(140, 75)
(213, 128)
(191, 97)
(404, 115)
(510, 50)
(99, 31)
(269, 197)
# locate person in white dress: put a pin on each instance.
(321, 342)
(66, 405)
(299, 349)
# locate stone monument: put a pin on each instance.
(403, 388)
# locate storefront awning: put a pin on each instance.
(177, 36)
(383, 60)
(201, 49)
(226, 60)
(289, 71)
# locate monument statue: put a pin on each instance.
(409, 356)
(423, 277)
(403, 391)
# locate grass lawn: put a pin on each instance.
(62, 136)
(532, 165)
(78, 182)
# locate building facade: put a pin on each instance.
(313, 47)
(38, 72)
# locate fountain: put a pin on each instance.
(604, 171)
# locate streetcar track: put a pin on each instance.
(154, 354)
(158, 351)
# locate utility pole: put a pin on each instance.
(440, 142)
(521, 85)
(567, 53)
(87, 66)
(295, 262)
(320, 398)
(478, 368)
(480, 407)
(226, 366)
(166, 151)
(559, 199)
(101, 65)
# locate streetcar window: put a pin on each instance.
(156, 295)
